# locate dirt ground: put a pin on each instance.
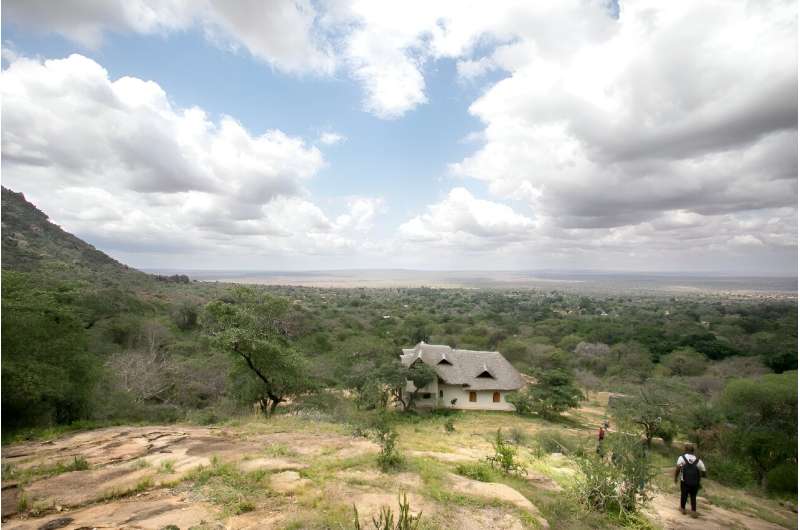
(298, 473)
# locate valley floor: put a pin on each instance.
(305, 472)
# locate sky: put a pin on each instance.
(449, 135)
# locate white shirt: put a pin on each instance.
(690, 459)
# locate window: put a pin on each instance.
(496, 397)
(446, 362)
(441, 393)
(426, 395)
(485, 375)
(473, 397)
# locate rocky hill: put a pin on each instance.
(30, 242)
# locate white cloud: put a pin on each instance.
(462, 220)
(361, 213)
(331, 138)
(115, 162)
(281, 33)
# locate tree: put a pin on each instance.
(554, 392)
(684, 362)
(48, 373)
(763, 414)
(630, 362)
(655, 408)
(254, 328)
(393, 378)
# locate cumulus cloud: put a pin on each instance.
(283, 34)
(116, 162)
(666, 111)
(361, 213)
(463, 220)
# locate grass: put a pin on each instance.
(28, 474)
(279, 449)
(143, 485)
(56, 431)
(225, 485)
(167, 467)
(751, 501)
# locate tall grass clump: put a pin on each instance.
(386, 521)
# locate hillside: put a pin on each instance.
(31, 242)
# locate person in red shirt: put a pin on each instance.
(601, 434)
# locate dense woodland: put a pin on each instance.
(87, 341)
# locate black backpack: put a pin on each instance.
(691, 474)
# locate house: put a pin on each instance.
(472, 380)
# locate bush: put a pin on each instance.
(618, 482)
(782, 479)
(505, 456)
(477, 471)
(729, 471)
(449, 426)
(389, 457)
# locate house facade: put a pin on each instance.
(467, 379)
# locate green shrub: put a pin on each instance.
(389, 457)
(449, 426)
(782, 479)
(505, 456)
(729, 471)
(618, 482)
(476, 471)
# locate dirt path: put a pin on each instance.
(664, 510)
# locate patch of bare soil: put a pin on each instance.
(664, 510)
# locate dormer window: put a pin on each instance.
(485, 374)
(445, 362)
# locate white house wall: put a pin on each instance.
(449, 392)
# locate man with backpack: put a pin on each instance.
(689, 469)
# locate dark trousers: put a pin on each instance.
(691, 492)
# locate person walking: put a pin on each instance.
(601, 435)
(689, 469)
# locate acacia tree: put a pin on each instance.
(656, 408)
(255, 329)
(762, 421)
(395, 377)
(555, 390)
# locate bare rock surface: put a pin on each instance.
(501, 492)
(287, 482)
(486, 518)
(270, 464)
(139, 513)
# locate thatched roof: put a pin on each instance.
(475, 370)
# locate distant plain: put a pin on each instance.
(590, 282)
